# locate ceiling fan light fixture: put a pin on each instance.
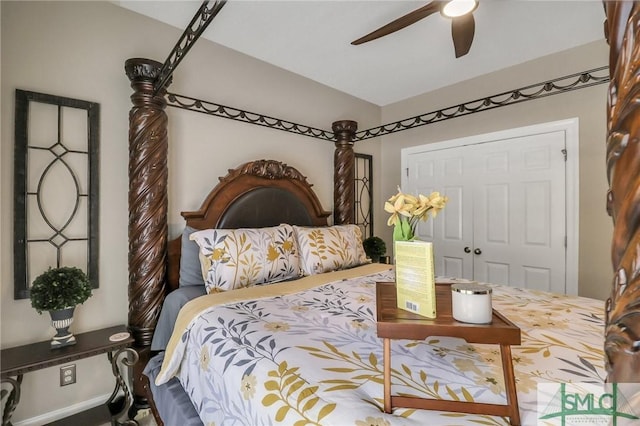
(457, 8)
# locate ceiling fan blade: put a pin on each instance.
(400, 23)
(462, 30)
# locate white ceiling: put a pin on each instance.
(312, 38)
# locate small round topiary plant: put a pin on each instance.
(59, 288)
(374, 247)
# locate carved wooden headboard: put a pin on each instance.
(256, 194)
(622, 344)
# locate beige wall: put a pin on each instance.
(77, 50)
(587, 104)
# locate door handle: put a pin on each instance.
(477, 251)
(467, 250)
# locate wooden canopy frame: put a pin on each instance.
(622, 333)
(148, 203)
(148, 196)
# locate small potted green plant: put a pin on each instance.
(58, 291)
(374, 247)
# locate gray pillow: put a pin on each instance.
(190, 270)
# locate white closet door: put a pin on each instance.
(505, 219)
(519, 212)
(448, 171)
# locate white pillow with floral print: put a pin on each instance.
(237, 258)
(329, 248)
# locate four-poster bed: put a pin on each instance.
(321, 329)
(154, 262)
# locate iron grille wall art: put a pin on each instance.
(56, 186)
(363, 204)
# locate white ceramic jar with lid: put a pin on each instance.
(471, 302)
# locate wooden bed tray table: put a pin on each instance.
(396, 323)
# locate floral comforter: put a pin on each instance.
(312, 356)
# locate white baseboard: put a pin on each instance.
(52, 416)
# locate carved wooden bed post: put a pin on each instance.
(622, 344)
(344, 173)
(148, 177)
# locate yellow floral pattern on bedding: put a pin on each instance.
(313, 358)
(325, 249)
(238, 258)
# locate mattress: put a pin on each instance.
(306, 352)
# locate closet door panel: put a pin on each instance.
(452, 257)
(537, 214)
(537, 278)
(447, 172)
(493, 207)
(520, 213)
(495, 213)
(495, 272)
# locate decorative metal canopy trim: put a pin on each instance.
(535, 91)
(191, 34)
(528, 93)
(193, 104)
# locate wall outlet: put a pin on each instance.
(67, 375)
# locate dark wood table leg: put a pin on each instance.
(119, 408)
(387, 375)
(12, 399)
(510, 384)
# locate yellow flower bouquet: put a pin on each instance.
(406, 210)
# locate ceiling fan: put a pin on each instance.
(459, 11)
